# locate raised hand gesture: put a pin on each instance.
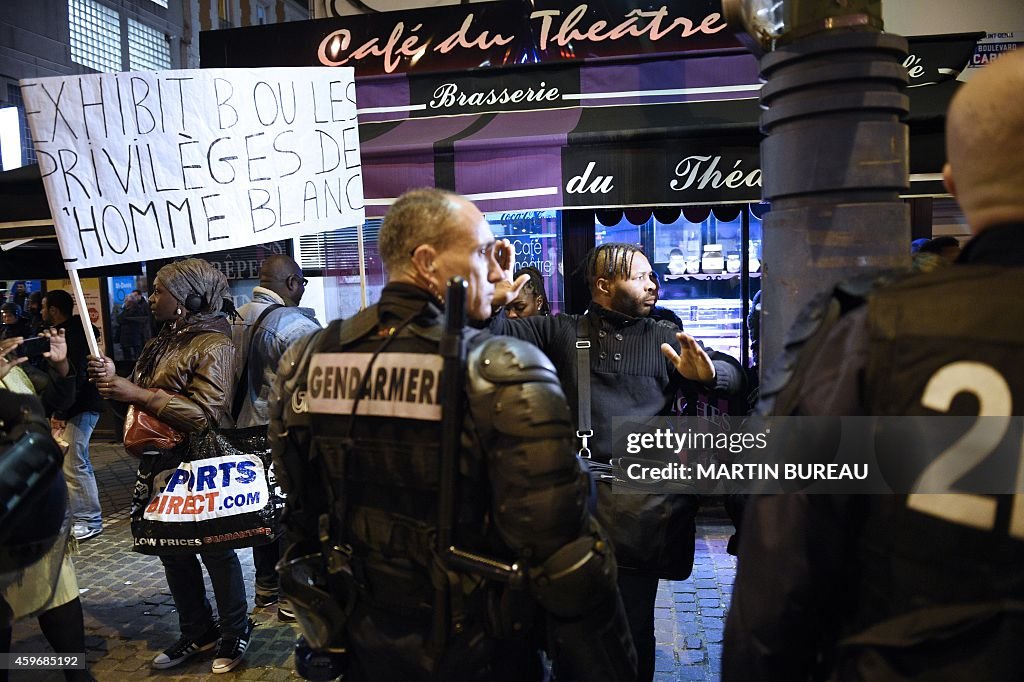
(691, 361)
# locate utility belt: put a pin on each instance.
(329, 586)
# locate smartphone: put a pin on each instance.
(33, 347)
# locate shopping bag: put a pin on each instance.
(254, 439)
(213, 494)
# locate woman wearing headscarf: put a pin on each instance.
(183, 377)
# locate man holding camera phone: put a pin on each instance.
(78, 421)
(18, 350)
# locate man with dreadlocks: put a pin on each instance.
(635, 371)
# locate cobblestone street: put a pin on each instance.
(129, 615)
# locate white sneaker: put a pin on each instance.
(83, 532)
(232, 650)
(185, 648)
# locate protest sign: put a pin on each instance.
(148, 165)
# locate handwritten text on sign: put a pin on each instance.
(147, 164)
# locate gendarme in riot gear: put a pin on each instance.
(357, 422)
(922, 585)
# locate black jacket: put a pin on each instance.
(87, 398)
(874, 586)
(629, 376)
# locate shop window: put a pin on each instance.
(224, 13)
(128, 331)
(537, 238)
(95, 35)
(697, 255)
(148, 49)
(28, 151)
(614, 226)
(335, 255)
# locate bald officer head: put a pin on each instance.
(984, 143)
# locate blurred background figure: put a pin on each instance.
(78, 421)
(936, 253)
(136, 323)
(676, 262)
(754, 324)
(34, 311)
(19, 294)
(14, 322)
(532, 300)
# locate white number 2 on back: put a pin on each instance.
(994, 400)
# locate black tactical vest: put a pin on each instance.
(934, 591)
(924, 324)
(384, 470)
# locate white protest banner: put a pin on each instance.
(155, 164)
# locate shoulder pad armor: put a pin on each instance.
(513, 389)
(506, 360)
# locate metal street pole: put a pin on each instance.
(835, 155)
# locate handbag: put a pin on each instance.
(145, 433)
(653, 532)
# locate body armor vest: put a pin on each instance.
(382, 476)
(933, 592)
(385, 470)
(923, 324)
(363, 503)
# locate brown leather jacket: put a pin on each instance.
(193, 377)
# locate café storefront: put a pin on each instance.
(570, 124)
